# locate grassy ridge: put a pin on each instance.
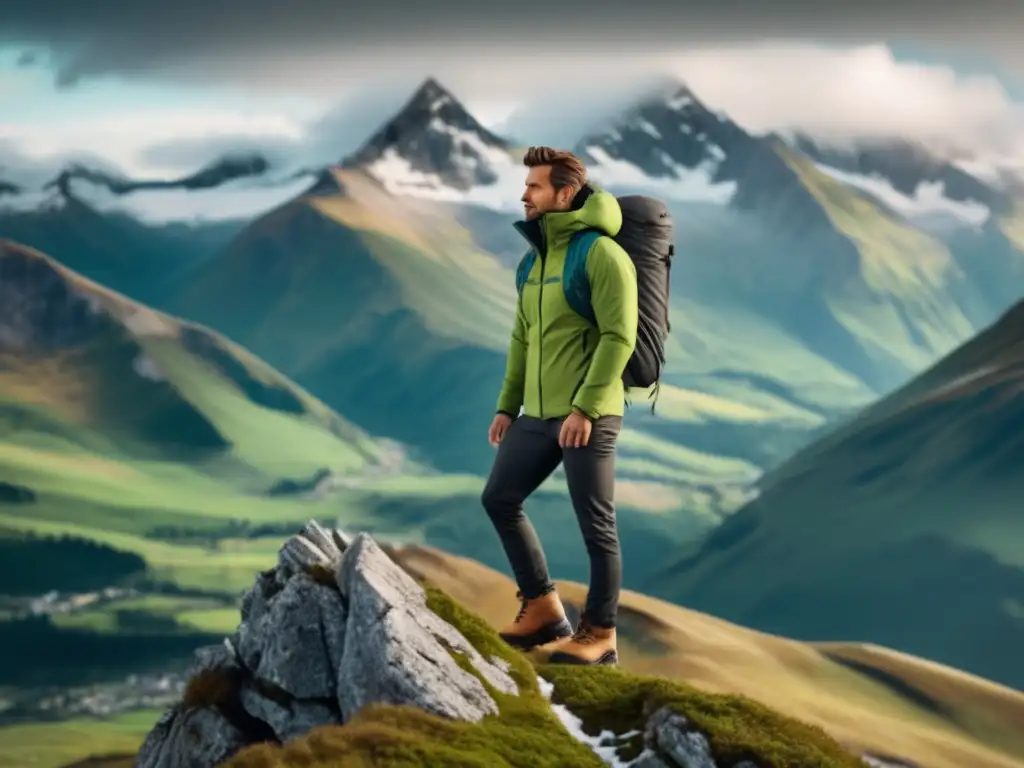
(922, 496)
(891, 704)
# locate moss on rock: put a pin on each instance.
(737, 728)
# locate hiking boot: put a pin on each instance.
(540, 620)
(588, 645)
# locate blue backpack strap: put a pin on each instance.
(524, 268)
(575, 282)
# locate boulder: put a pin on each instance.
(335, 626)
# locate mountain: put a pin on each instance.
(214, 174)
(433, 147)
(910, 180)
(143, 237)
(768, 228)
(231, 188)
(676, 144)
(918, 546)
(88, 370)
(377, 302)
(143, 261)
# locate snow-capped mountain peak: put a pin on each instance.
(908, 178)
(236, 186)
(433, 147)
(670, 143)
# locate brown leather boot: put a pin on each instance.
(589, 645)
(539, 621)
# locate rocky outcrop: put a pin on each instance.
(338, 625)
(335, 626)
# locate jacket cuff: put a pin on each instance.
(591, 415)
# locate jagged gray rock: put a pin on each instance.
(334, 626)
(668, 734)
(188, 738)
(399, 658)
(312, 546)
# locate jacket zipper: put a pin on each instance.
(583, 348)
(540, 336)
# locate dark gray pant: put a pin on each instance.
(527, 456)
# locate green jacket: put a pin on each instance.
(557, 360)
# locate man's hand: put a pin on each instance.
(575, 432)
(498, 428)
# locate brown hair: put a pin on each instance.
(566, 169)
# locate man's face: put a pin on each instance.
(540, 196)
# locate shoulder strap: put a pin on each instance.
(575, 282)
(524, 268)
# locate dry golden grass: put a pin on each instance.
(365, 206)
(988, 710)
(69, 463)
(66, 395)
(953, 720)
(215, 688)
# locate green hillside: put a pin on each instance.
(145, 452)
(143, 261)
(388, 315)
(117, 421)
(902, 528)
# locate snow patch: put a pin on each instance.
(147, 368)
(604, 745)
(690, 184)
(679, 101)
(649, 129)
(929, 199)
(92, 301)
(954, 384)
(241, 198)
(398, 176)
(878, 762)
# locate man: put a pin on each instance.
(566, 377)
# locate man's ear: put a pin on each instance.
(565, 195)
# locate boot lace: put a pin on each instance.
(523, 605)
(584, 635)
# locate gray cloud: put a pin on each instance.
(27, 59)
(30, 173)
(338, 132)
(273, 42)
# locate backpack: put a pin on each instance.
(646, 235)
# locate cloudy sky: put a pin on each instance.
(159, 88)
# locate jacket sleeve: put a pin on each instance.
(511, 397)
(613, 295)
